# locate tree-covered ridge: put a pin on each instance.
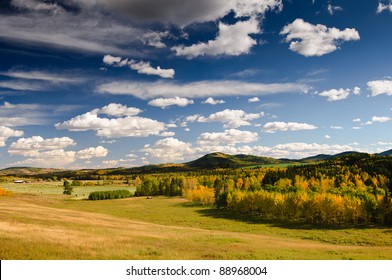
(221, 160)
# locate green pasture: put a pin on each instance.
(56, 188)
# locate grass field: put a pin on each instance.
(48, 188)
(55, 226)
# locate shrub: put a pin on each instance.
(68, 188)
(101, 195)
(201, 194)
(4, 192)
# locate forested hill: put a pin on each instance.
(386, 153)
(221, 160)
(348, 167)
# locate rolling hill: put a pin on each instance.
(208, 161)
(27, 171)
(221, 160)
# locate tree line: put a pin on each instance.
(347, 190)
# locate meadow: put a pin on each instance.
(39, 222)
(52, 188)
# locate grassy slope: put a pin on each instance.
(52, 227)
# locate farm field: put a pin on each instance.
(46, 225)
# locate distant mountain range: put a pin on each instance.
(208, 161)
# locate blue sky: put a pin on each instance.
(107, 83)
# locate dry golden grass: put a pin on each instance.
(39, 227)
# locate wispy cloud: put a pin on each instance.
(22, 85)
(142, 67)
(99, 26)
(384, 7)
(23, 114)
(203, 89)
(332, 9)
(21, 80)
(80, 28)
(185, 12)
(43, 76)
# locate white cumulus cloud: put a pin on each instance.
(301, 150)
(254, 100)
(173, 101)
(232, 40)
(118, 110)
(92, 152)
(228, 137)
(169, 150)
(51, 152)
(339, 94)
(380, 119)
(6, 132)
(357, 90)
(273, 127)
(229, 118)
(335, 94)
(51, 158)
(34, 145)
(378, 87)
(316, 40)
(127, 126)
(212, 101)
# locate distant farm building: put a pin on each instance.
(19, 181)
